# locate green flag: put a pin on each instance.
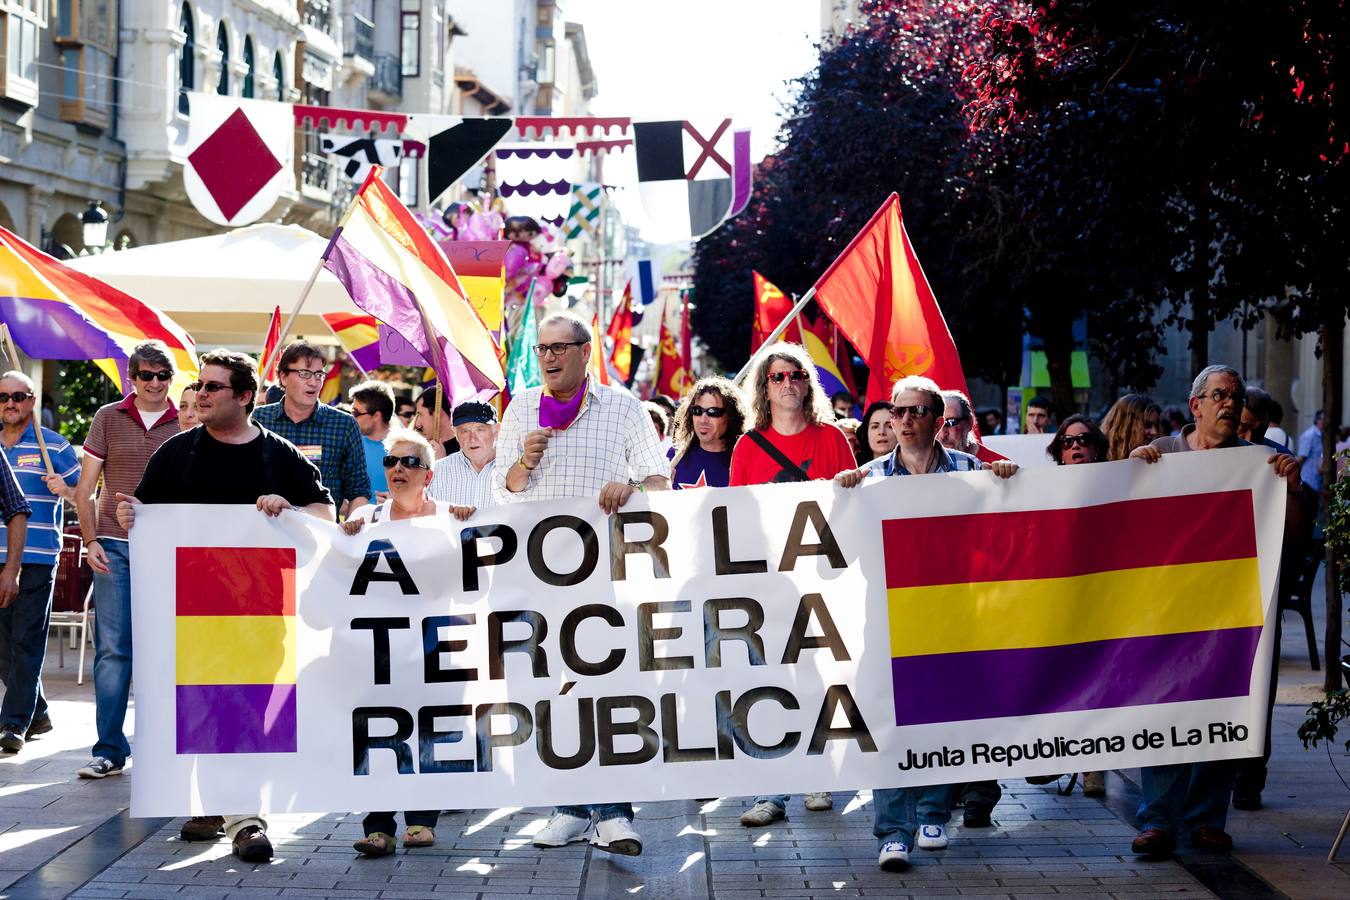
(522, 365)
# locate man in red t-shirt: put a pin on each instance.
(792, 440)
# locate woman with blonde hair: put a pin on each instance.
(1134, 420)
(707, 425)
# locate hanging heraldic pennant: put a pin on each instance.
(455, 145)
(536, 180)
(239, 157)
(685, 173)
(745, 172)
(357, 154)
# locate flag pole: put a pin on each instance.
(773, 335)
(13, 353)
(375, 172)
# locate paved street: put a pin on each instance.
(63, 837)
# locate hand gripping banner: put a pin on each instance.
(915, 630)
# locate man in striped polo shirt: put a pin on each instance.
(23, 623)
(121, 440)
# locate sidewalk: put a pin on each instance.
(63, 837)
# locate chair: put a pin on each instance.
(72, 597)
(1296, 593)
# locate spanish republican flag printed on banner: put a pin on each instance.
(1026, 634)
(235, 649)
(55, 312)
(877, 294)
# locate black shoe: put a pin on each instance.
(1247, 803)
(1153, 843)
(39, 726)
(251, 845)
(977, 816)
(10, 739)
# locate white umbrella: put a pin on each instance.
(222, 288)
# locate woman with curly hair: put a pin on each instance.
(707, 425)
(1134, 420)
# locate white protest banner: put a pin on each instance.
(914, 630)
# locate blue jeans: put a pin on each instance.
(780, 799)
(898, 812)
(112, 653)
(602, 811)
(23, 645)
(1192, 795)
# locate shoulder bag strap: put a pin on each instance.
(778, 456)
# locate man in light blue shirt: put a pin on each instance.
(373, 409)
(23, 623)
(1310, 453)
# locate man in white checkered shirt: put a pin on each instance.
(464, 478)
(608, 447)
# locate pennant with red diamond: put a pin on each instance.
(240, 157)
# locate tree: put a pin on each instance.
(882, 112)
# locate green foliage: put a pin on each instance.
(1324, 718)
(84, 388)
(1338, 526)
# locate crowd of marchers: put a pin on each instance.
(390, 459)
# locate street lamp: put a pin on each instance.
(95, 225)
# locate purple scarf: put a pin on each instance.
(557, 414)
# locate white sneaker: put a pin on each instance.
(561, 830)
(819, 801)
(762, 813)
(617, 836)
(99, 767)
(932, 837)
(894, 857)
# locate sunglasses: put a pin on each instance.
(211, 387)
(918, 412)
(780, 377)
(17, 397)
(952, 423)
(146, 375)
(712, 412)
(408, 462)
(1069, 441)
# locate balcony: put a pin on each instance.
(359, 37)
(318, 14)
(386, 85)
(316, 171)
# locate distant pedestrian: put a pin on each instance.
(1132, 421)
(373, 409)
(1310, 453)
(1038, 416)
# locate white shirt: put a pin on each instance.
(380, 512)
(1278, 435)
(454, 481)
(611, 440)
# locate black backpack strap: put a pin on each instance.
(778, 456)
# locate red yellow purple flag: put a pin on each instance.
(598, 368)
(268, 360)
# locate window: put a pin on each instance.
(279, 73)
(410, 37)
(248, 67)
(86, 32)
(223, 46)
(187, 63)
(20, 24)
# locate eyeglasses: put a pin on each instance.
(147, 375)
(918, 412)
(557, 349)
(712, 412)
(408, 462)
(955, 421)
(1069, 441)
(357, 415)
(305, 374)
(1220, 396)
(210, 387)
(780, 377)
(17, 397)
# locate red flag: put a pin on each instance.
(269, 354)
(771, 307)
(597, 365)
(877, 294)
(672, 372)
(621, 334)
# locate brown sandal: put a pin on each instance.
(419, 836)
(376, 844)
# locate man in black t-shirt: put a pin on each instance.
(228, 459)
